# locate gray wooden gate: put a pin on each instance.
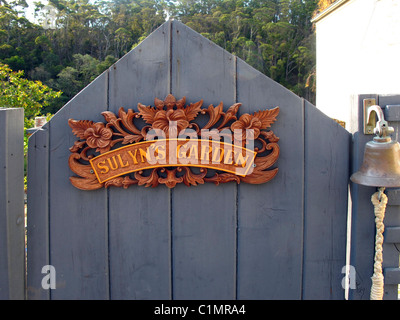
(285, 239)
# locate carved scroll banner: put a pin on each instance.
(172, 148)
(159, 153)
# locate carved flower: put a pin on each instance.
(96, 134)
(162, 120)
(98, 137)
(254, 123)
(249, 122)
(159, 118)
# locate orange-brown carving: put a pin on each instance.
(107, 154)
(172, 153)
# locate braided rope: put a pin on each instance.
(379, 200)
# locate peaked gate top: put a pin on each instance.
(284, 239)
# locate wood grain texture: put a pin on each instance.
(392, 215)
(270, 237)
(12, 231)
(38, 213)
(325, 219)
(362, 225)
(78, 224)
(139, 217)
(4, 282)
(203, 217)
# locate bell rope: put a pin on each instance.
(379, 200)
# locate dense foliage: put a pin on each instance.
(18, 92)
(73, 41)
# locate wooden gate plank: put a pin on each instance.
(390, 253)
(4, 281)
(139, 217)
(271, 215)
(392, 234)
(78, 219)
(12, 231)
(392, 214)
(204, 217)
(326, 193)
(362, 219)
(38, 213)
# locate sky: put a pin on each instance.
(29, 12)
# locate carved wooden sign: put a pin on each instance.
(172, 148)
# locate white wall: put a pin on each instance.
(358, 52)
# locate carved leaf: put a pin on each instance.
(151, 180)
(267, 117)
(148, 113)
(77, 145)
(181, 103)
(230, 114)
(158, 103)
(268, 160)
(128, 181)
(127, 120)
(270, 136)
(117, 182)
(85, 183)
(132, 138)
(222, 178)
(109, 116)
(190, 178)
(86, 179)
(259, 174)
(258, 177)
(82, 170)
(214, 113)
(79, 127)
(170, 101)
(192, 110)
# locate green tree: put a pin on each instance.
(19, 92)
(274, 36)
(17, 38)
(83, 70)
(73, 41)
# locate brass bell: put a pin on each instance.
(381, 164)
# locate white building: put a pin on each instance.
(358, 52)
